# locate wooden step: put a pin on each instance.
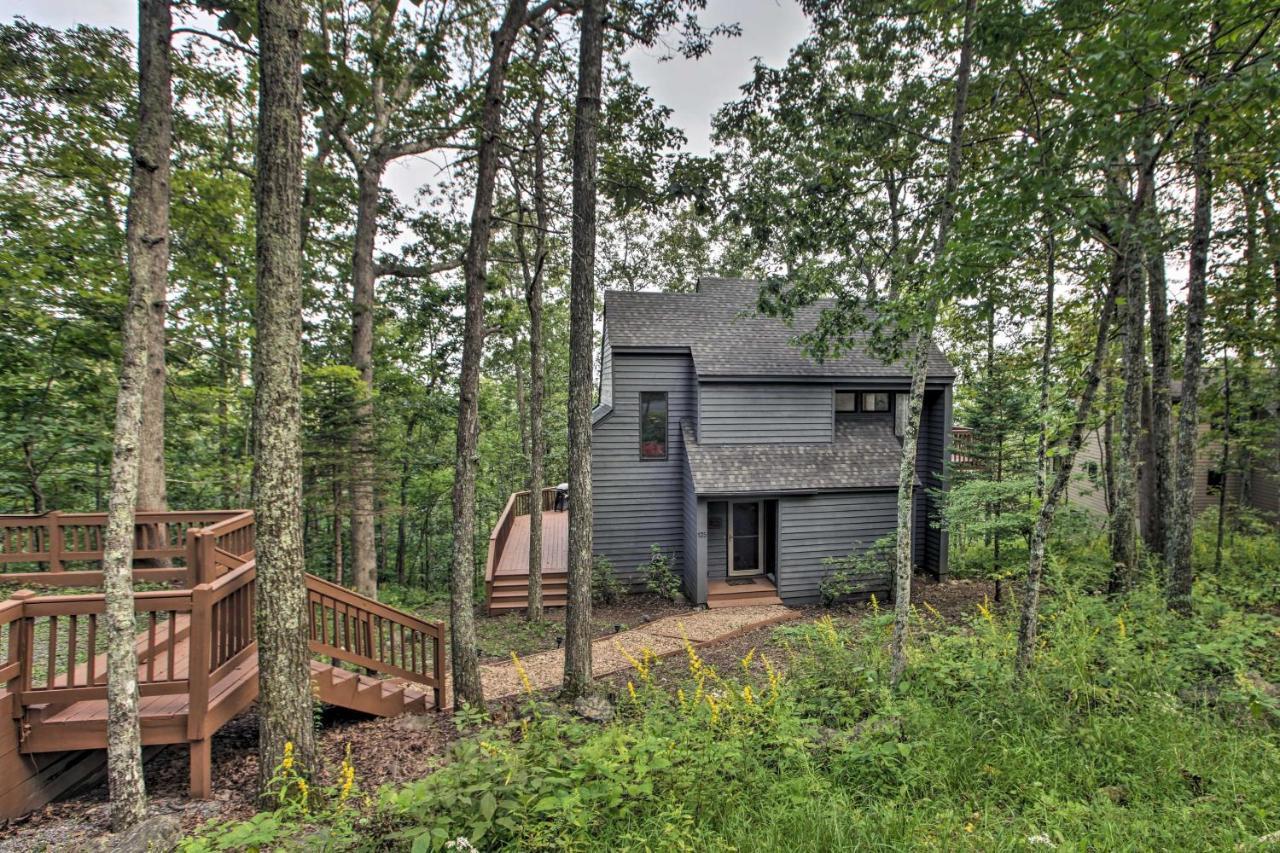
(523, 580)
(509, 606)
(741, 601)
(380, 697)
(522, 594)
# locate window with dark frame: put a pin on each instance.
(1214, 481)
(846, 402)
(653, 425)
(875, 401)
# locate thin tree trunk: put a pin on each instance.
(920, 365)
(284, 679)
(338, 557)
(582, 296)
(1178, 558)
(1124, 515)
(1161, 386)
(1028, 621)
(533, 299)
(1224, 465)
(364, 555)
(466, 669)
(402, 516)
(147, 241)
(1046, 363)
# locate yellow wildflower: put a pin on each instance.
(303, 790)
(631, 688)
(715, 709)
(520, 670)
(695, 662)
(968, 827)
(680, 696)
(1120, 624)
(875, 605)
(747, 696)
(984, 610)
(933, 611)
(746, 661)
(287, 763)
(348, 776)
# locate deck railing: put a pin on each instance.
(50, 541)
(359, 631)
(517, 505)
(53, 641)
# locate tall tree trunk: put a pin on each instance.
(586, 129)
(533, 275)
(284, 678)
(1124, 515)
(364, 554)
(1178, 558)
(147, 241)
(920, 364)
(1161, 386)
(1028, 621)
(466, 669)
(151, 185)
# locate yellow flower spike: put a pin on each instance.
(984, 610)
(631, 688)
(875, 605)
(715, 709)
(746, 660)
(303, 790)
(1120, 624)
(524, 676)
(933, 611)
(680, 697)
(747, 695)
(287, 762)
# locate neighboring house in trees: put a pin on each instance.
(1087, 488)
(718, 439)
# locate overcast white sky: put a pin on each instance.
(693, 89)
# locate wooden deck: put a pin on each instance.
(197, 650)
(514, 559)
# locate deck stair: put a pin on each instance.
(506, 575)
(197, 648)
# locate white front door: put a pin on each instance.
(746, 539)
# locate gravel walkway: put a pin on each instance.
(662, 637)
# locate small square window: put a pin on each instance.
(846, 401)
(1214, 481)
(653, 425)
(875, 401)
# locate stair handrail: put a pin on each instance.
(358, 646)
(498, 538)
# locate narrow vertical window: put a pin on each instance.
(653, 425)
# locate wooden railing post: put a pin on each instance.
(438, 690)
(20, 649)
(53, 539)
(201, 660)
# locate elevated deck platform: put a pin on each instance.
(197, 649)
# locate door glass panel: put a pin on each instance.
(746, 538)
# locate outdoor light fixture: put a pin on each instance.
(559, 642)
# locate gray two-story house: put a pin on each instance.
(720, 440)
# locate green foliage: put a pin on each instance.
(1138, 729)
(849, 574)
(659, 576)
(605, 586)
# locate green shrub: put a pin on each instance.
(851, 574)
(605, 586)
(659, 577)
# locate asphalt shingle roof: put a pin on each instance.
(726, 337)
(863, 455)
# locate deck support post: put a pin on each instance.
(201, 769)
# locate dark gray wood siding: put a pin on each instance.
(717, 540)
(813, 528)
(606, 370)
(690, 552)
(765, 413)
(640, 503)
(928, 542)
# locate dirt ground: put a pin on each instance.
(389, 750)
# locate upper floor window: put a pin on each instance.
(875, 401)
(653, 424)
(851, 402)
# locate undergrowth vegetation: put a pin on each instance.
(1138, 729)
